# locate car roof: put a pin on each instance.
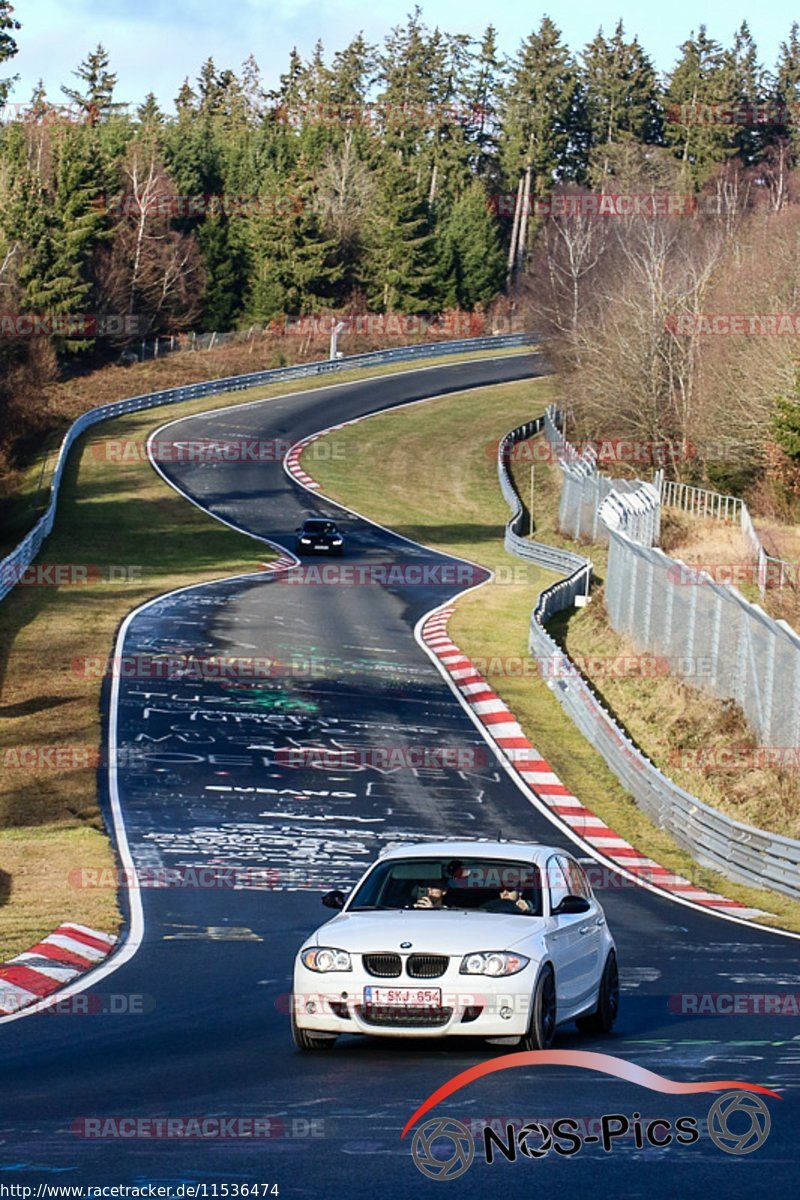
(528, 851)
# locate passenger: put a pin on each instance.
(509, 900)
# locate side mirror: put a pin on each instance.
(571, 904)
(334, 899)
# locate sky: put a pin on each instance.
(154, 44)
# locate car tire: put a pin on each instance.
(310, 1042)
(603, 1018)
(544, 1008)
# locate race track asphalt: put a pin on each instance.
(206, 779)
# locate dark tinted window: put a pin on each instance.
(467, 883)
(319, 527)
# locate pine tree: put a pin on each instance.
(785, 424)
(186, 101)
(622, 94)
(96, 99)
(481, 96)
(410, 68)
(8, 46)
(750, 89)
(210, 89)
(81, 222)
(39, 105)
(699, 90)
(401, 253)
(149, 114)
(784, 97)
(225, 266)
(351, 75)
(543, 111)
(294, 268)
(473, 241)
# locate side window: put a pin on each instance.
(556, 882)
(576, 877)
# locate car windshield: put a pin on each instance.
(482, 884)
(319, 527)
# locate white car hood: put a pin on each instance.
(429, 932)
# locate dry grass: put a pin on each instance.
(684, 729)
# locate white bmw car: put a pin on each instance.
(502, 940)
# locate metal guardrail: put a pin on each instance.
(742, 852)
(14, 564)
(544, 556)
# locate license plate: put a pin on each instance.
(322, 547)
(403, 997)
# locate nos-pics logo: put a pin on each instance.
(444, 1148)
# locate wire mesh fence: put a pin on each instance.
(584, 489)
(747, 650)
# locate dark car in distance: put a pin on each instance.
(318, 535)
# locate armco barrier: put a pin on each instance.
(14, 564)
(743, 853)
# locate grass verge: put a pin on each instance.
(429, 472)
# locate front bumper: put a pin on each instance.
(471, 1005)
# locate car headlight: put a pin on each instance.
(305, 541)
(325, 958)
(493, 962)
(337, 541)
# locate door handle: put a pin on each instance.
(600, 921)
(585, 929)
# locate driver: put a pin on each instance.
(509, 900)
(432, 897)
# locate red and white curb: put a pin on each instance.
(292, 460)
(51, 963)
(283, 563)
(537, 774)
